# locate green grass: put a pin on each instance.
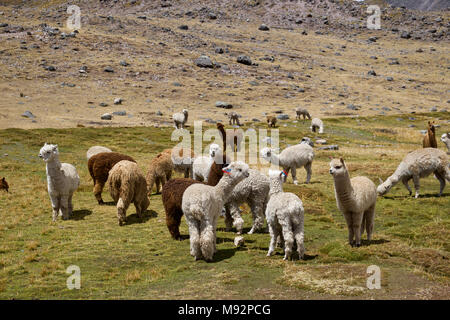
(140, 260)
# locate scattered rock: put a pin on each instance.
(222, 104)
(108, 69)
(124, 63)
(405, 35)
(159, 113)
(389, 79)
(433, 109)
(183, 27)
(321, 141)
(204, 62)
(283, 116)
(330, 147)
(28, 114)
(118, 101)
(263, 27)
(102, 104)
(372, 73)
(106, 116)
(244, 60)
(120, 113)
(50, 68)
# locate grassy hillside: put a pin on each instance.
(140, 260)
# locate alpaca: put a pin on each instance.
(182, 159)
(202, 164)
(316, 123)
(253, 190)
(99, 166)
(234, 139)
(285, 217)
(4, 184)
(127, 185)
(223, 134)
(419, 164)
(291, 158)
(180, 119)
(429, 141)
(96, 150)
(302, 112)
(233, 118)
(445, 138)
(202, 205)
(159, 171)
(356, 199)
(172, 196)
(62, 181)
(271, 121)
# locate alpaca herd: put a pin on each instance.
(213, 185)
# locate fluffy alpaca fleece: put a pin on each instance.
(202, 164)
(172, 196)
(445, 138)
(316, 123)
(159, 171)
(62, 181)
(356, 200)
(99, 166)
(127, 185)
(285, 217)
(182, 159)
(429, 141)
(253, 190)
(302, 112)
(233, 118)
(96, 150)
(419, 164)
(4, 185)
(291, 158)
(271, 121)
(180, 119)
(202, 205)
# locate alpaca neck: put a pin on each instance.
(54, 167)
(276, 186)
(275, 159)
(343, 187)
(224, 187)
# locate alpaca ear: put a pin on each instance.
(55, 148)
(3, 179)
(342, 161)
(381, 181)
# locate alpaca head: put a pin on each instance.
(237, 171)
(431, 126)
(337, 167)
(185, 112)
(4, 184)
(445, 137)
(278, 175)
(214, 150)
(384, 187)
(48, 152)
(266, 153)
(308, 141)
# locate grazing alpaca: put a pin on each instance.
(271, 121)
(180, 119)
(202, 164)
(172, 196)
(62, 181)
(202, 205)
(4, 185)
(316, 123)
(233, 118)
(302, 112)
(284, 214)
(419, 164)
(445, 138)
(429, 141)
(127, 185)
(291, 158)
(356, 200)
(96, 150)
(99, 166)
(159, 171)
(182, 159)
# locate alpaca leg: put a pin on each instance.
(369, 216)
(214, 231)
(441, 179)
(294, 175)
(163, 182)
(194, 238)
(258, 216)
(299, 239)
(228, 219)
(55, 206)
(416, 185)
(274, 232)
(238, 222)
(122, 211)
(98, 188)
(357, 221)
(308, 171)
(65, 207)
(288, 239)
(348, 220)
(405, 183)
(157, 185)
(207, 239)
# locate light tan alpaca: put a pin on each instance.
(429, 141)
(356, 199)
(159, 171)
(127, 185)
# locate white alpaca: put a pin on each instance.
(202, 205)
(316, 123)
(291, 158)
(419, 164)
(254, 191)
(62, 181)
(356, 200)
(96, 150)
(285, 217)
(202, 164)
(180, 119)
(233, 118)
(445, 138)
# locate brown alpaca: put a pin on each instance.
(271, 121)
(4, 185)
(223, 134)
(159, 171)
(172, 196)
(127, 185)
(99, 166)
(429, 141)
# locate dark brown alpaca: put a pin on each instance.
(99, 166)
(271, 121)
(4, 185)
(224, 135)
(172, 196)
(429, 141)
